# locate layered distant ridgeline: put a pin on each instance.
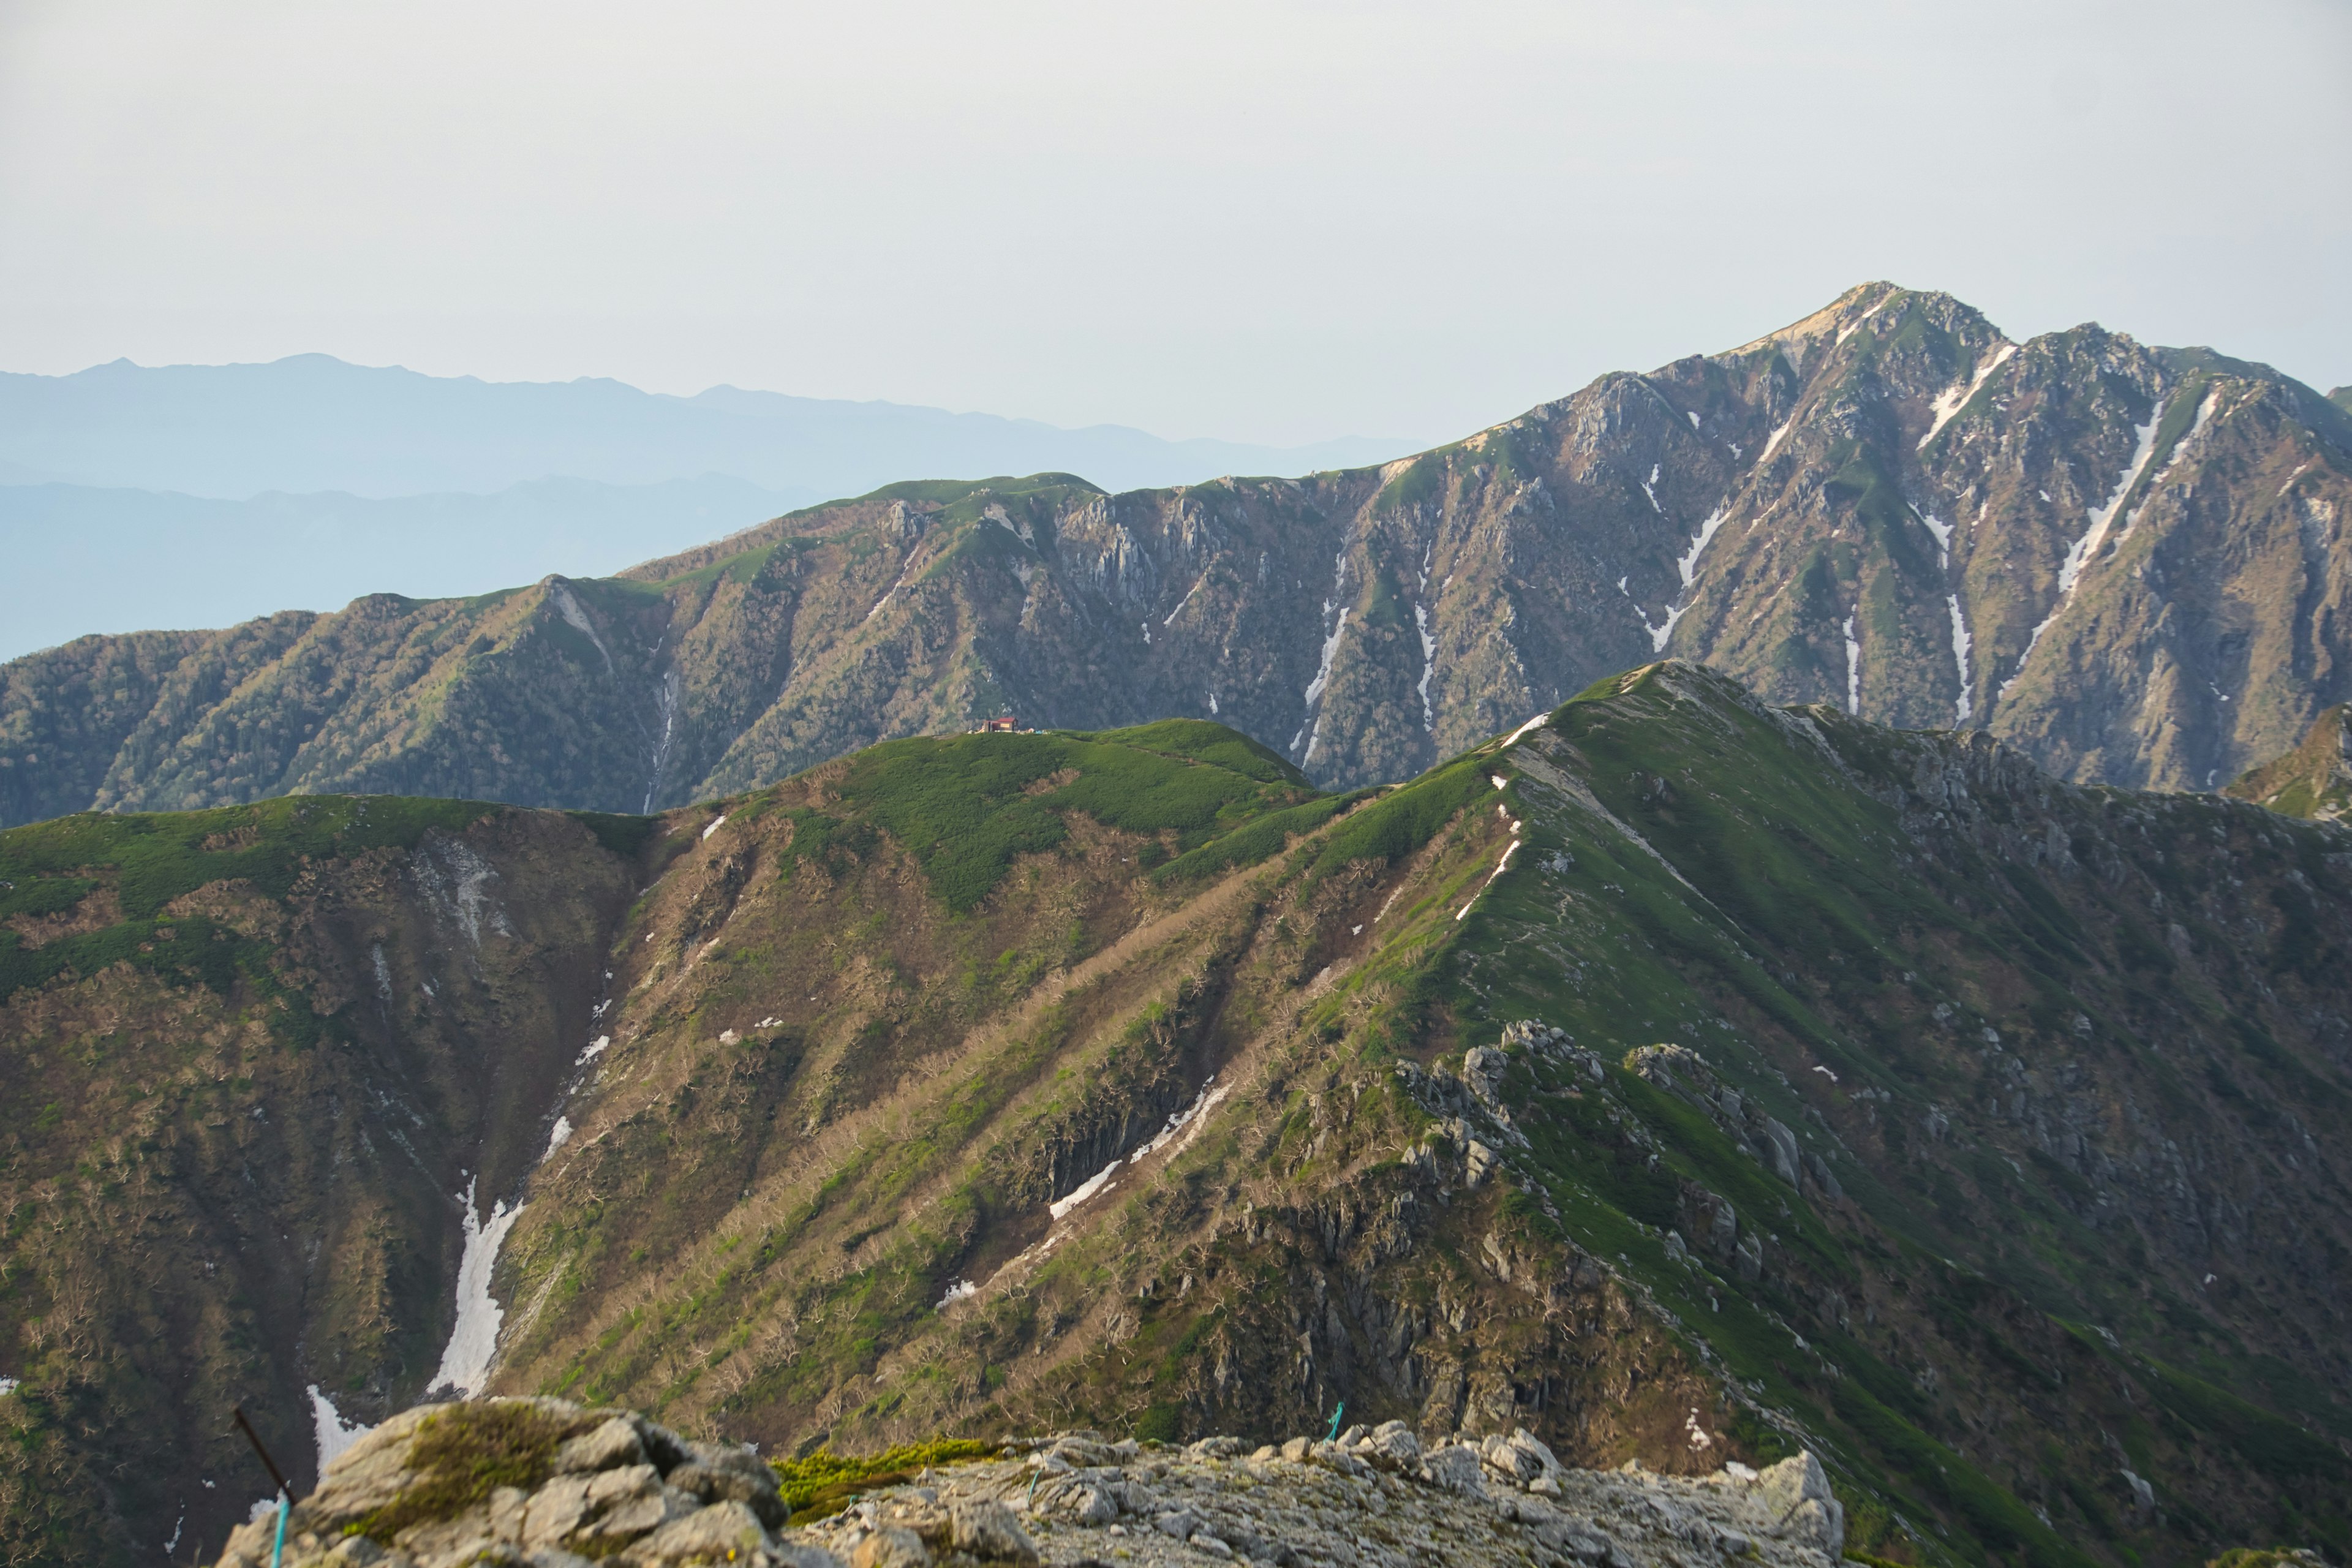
(2128, 562)
(1681, 1079)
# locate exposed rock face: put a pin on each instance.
(2128, 562)
(537, 1480)
(552, 1485)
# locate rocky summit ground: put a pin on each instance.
(556, 1485)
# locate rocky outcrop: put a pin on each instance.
(535, 1480)
(552, 1485)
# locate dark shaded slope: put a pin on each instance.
(254, 1063)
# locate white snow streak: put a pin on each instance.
(1658, 634)
(595, 1048)
(334, 1434)
(556, 1136)
(2179, 455)
(960, 1290)
(1952, 400)
(1943, 532)
(1428, 668)
(1688, 564)
(2291, 478)
(716, 824)
(1852, 669)
(1184, 601)
(474, 1342)
(1652, 493)
(1310, 733)
(1773, 445)
(1213, 704)
(1500, 867)
(7, 1386)
(1960, 643)
(1866, 316)
(2079, 554)
(1521, 733)
(1177, 1121)
(1085, 1190)
(1694, 419)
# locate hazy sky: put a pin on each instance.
(1266, 221)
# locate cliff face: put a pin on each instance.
(1680, 1077)
(2128, 561)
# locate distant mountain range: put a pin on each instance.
(2128, 562)
(121, 560)
(313, 423)
(196, 495)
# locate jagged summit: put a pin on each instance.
(2125, 561)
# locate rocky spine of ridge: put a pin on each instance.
(549, 1484)
(2313, 780)
(2128, 562)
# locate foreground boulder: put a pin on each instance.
(541, 1481)
(553, 1485)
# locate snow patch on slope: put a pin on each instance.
(1852, 669)
(1688, 564)
(1310, 733)
(2080, 553)
(1961, 645)
(334, 1434)
(1428, 667)
(1773, 444)
(1943, 532)
(1951, 400)
(473, 1342)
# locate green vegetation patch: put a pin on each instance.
(462, 1454)
(1267, 836)
(966, 806)
(161, 855)
(1405, 820)
(825, 1482)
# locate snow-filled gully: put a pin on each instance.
(1310, 729)
(2085, 550)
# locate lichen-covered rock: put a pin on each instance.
(542, 1481)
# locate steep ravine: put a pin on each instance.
(264, 1061)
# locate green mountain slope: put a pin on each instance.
(1680, 1077)
(2126, 561)
(2314, 780)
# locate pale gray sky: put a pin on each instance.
(1269, 220)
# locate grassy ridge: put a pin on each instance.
(149, 859)
(966, 806)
